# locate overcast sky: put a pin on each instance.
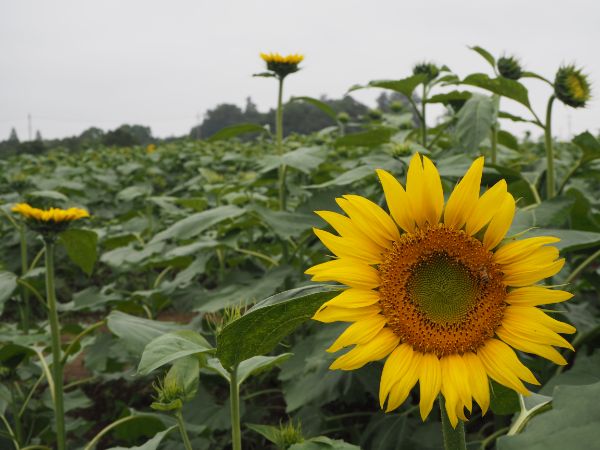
(75, 64)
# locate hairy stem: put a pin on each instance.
(184, 436)
(454, 438)
(549, 150)
(234, 402)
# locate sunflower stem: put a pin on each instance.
(454, 438)
(423, 122)
(234, 403)
(57, 366)
(184, 436)
(549, 150)
(25, 307)
(279, 142)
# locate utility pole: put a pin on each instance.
(29, 126)
(198, 116)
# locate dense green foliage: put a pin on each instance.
(187, 235)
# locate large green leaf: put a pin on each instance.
(475, 119)
(448, 97)
(369, 138)
(81, 246)
(349, 177)
(590, 146)
(170, 347)
(8, 284)
(323, 443)
(571, 424)
(286, 224)
(196, 223)
(236, 130)
(259, 330)
(137, 332)
(152, 444)
(258, 364)
(502, 86)
(404, 86)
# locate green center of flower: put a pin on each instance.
(443, 288)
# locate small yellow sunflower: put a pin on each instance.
(282, 65)
(47, 220)
(439, 291)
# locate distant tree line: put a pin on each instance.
(299, 117)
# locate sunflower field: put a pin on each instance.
(392, 282)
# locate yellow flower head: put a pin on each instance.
(572, 87)
(282, 65)
(53, 219)
(439, 291)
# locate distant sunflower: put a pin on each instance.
(282, 65)
(49, 220)
(436, 291)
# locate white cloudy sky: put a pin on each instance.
(72, 64)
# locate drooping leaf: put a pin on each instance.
(502, 86)
(81, 246)
(170, 347)
(197, 223)
(448, 97)
(404, 86)
(152, 444)
(259, 330)
(318, 103)
(323, 443)
(236, 130)
(485, 54)
(258, 364)
(349, 177)
(590, 146)
(475, 119)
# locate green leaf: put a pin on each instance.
(304, 159)
(570, 240)
(269, 432)
(258, 364)
(585, 370)
(404, 86)
(505, 115)
(349, 177)
(369, 138)
(137, 332)
(571, 424)
(590, 146)
(8, 284)
(475, 119)
(319, 104)
(449, 97)
(152, 444)
(195, 224)
(502, 86)
(236, 130)
(81, 246)
(503, 401)
(259, 330)
(323, 443)
(485, 54)
(170, 347)
(286, 224)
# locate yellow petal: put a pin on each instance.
(430, 383)
(535, 315)
(531, 329)
(395, 367)
(454, 374)
(528, 275)
(354, 298)
(347, 248)
(516, 250)
(542, 256)
(365, 222)
(485, 207)
(500, 223)
(359, 332)
(380, 221)
(464, 197)
(433, 194)
(416, 190)
(545, 351)
(536, 295)
(402, 388)
(345, 228)
(346, 271)
(501, 364)
(379, 347)
(330, 314)
(397, 201)
(478, 380)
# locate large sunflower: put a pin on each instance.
(439, 290)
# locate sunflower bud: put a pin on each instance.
(289, 434)
(375, 114)
(179, 385)
(282, 66)
(343, 117)
(509, 67)
(396, 106)
(428, 69)
(572, 87)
